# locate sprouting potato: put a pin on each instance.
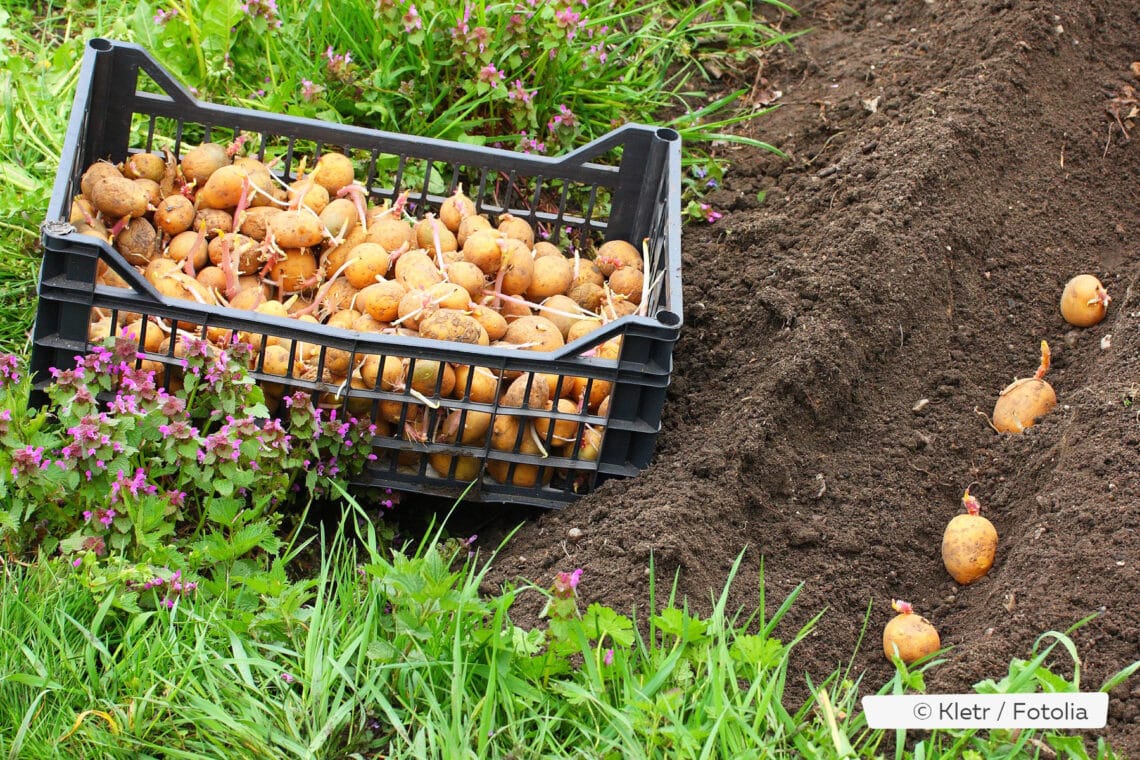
(366, 263)
(552, 276)
(255, 221)
(381, 300)
(519, 229)
(617, 254)
(138, 242)
(308, 195)
(1024, 401)
(482, 249)
(295, 229)
(118, 197)
(295, 271)
(223, 188)
(203, 160)
(333, 172)
(471, 224)
(145, 166)
(534, 333)
(391, 233)
(227, 231)
(969, 543)
(911, 635)
(174, 214)
(94, 173)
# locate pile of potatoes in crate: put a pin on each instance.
(222, 230)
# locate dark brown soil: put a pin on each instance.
(951, 165)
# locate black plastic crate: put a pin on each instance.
(624, 185)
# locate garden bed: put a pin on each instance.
(949, 167)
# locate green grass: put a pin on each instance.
(35, 66)
(399, 656)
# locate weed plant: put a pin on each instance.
(540, 75)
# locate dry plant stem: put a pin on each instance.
(538, 441)
(643, 307)
(357, 193)
(498, 291)
(188, 265)
(275, 201)
(435, 241)
(1045, 357)
(396, 208)
(549, 310)
(119, 225)
(324, 291)
(242, 204)
(577, 261)
(273, 253)
(228, 269)
(971, 504)
(410, 314)
(986, 417)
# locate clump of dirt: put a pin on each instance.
(856, 311)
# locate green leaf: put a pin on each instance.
(525, 642)
(602, 622)
(757, 650)
(224, 511)
(679, 623)
(224, 486)
(380, 650)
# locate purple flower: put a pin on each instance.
(9, 366)
(266, 9)
(564, 119)
(310, 91)
(412, 20)
(107, 517)
(608, 658)
(95, 544)
(124, 404)
(569, 21)
(77, 562)
(710, 214)
(287, 677)
(135, 484)
(179, 430)
(461, 26)
(161, 16)
(530, 144)
(519, 93)
(27, 460)
(491, 75)
(565, 584)
(337, 62)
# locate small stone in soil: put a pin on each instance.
(575, 534)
